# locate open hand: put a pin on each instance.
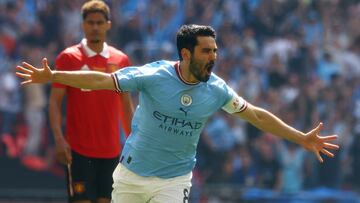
(34, 75)
(316, 143)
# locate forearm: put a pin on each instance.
(128, 111)
(272, 124)
(55, 120)
(84, 79)
(268, 122)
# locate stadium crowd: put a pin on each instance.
(299, 59)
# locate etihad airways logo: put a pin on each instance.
(177, 122)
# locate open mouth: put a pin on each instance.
(209, 67)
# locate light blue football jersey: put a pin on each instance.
(169, 118)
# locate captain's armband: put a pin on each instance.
(236, 105)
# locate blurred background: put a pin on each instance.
(297, 58)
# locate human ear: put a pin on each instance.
(186, 54)
(108, 24)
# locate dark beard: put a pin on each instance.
(195, 70)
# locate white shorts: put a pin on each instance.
(129, 187)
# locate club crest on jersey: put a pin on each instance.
(186, 100)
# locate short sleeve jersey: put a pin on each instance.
(170, 117)
(93, 118)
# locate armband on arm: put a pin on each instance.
(236, 105)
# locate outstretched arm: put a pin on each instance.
(79, 79)
(268, 122)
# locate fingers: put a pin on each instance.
(68, 157)
(22, 75)
(25, 76)
(327, 153)
(45, 63)
(322, 143)
(24, 70)
(319, 157)
(328, 138)
(26, 82)
(29, 66)
(320, 126)
(331, 146)
(25, 73)
(316, 130)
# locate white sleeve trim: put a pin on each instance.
(236, 105)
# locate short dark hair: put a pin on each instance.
(94, 6)
(187, 35)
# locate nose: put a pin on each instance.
(212, 56)
(95, 26)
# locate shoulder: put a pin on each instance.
(218, 85)
(69, 58)
(116, 51)
(154, 71)
(216, 81)
(162, 69)
(161, 64)
(70, 52)
(119, 57)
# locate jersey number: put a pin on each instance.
(186, 195)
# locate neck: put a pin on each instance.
(184, 71)
(96, 47)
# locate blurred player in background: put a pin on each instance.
(91, 146)
(10, 106)
(176, 100)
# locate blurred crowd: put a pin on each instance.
(299, 59)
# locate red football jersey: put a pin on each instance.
(93, 117)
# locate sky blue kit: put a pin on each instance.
(170, 117)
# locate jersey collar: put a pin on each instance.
(90, 53)
(177, 68)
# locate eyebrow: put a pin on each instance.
(95, 20)
(209, 49)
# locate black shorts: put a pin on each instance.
(90, 178)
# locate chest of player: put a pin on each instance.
(182, 101)
(97, 63)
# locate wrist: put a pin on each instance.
(301, 139)
(52, 75)
(58, 138)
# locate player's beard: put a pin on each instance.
(200, 71)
